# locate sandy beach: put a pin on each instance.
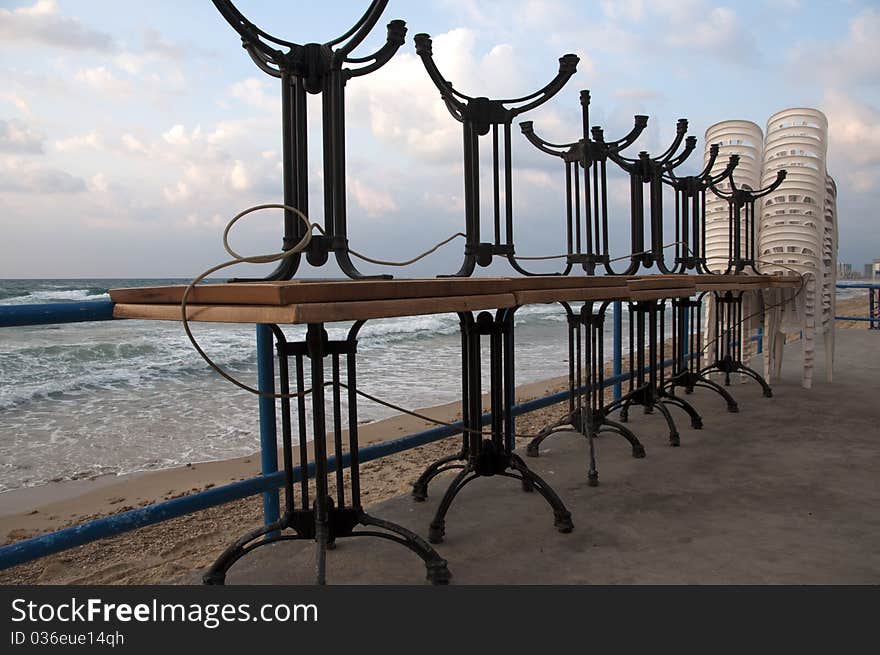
(172, 551)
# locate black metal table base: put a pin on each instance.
(589, 428)
(687, 348)
(491, 456)
(648, 383)
(310, 511)
(586, 384)
(691, 380)
(340, 523)
(728, 345)
(508, 465)
(727, 366)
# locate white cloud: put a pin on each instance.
(402, 106)
(238, 177)
(22, 176)
(43, 23)
(17, 136)
(716, 30)
(132, 144)
(375, 202)
(638, 95)
(177, 193)
(856, 58)
(624, 9)
(537, 178)
(18, 102)
(98, 183)
(90, 141)
(257, 92)
(102, 80)
(177, 135)
(853, 140)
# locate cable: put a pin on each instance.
(239, 259)
(382, 262)
(615, 259)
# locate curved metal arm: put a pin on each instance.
(567, 67)
(780, 178)
(425, 52)
(724, 195)
(545, 146)
(689, 145)
(361, 29)
(626, 163)
(732, 163)
(269, 59)
(395, 38)
(424, 49)
(713, 156)
(640, 122)
(250, 33)
(680, 130)
(263, 62)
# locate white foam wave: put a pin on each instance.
(51, 295)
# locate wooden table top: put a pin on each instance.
(317, 301)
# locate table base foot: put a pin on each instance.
(691, 380)
(728, 366)
(492, 461)
(341, 522)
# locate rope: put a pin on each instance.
(382, 262)
(239, 259)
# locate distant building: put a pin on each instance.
(844, 270)
(875, 270)
(867, 272)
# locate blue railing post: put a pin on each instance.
(617, 346)
(268, 427)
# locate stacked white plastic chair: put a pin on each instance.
(792, 229)
(745, 139)
(735, 137)
(829, 280)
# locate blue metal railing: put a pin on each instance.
(55, 312)
(873, 317)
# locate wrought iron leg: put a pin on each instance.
(216, 574)
(561, 515)
(732, 405)
(674, 439)
(696, 419)
(638, 450)
(564, 424)
(420, 486)
(768, 392)
(438, 524)
(437, 572)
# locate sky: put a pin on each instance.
(130, 133)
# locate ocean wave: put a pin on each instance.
(15, 297)
(60, 370)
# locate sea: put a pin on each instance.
(79, 400)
